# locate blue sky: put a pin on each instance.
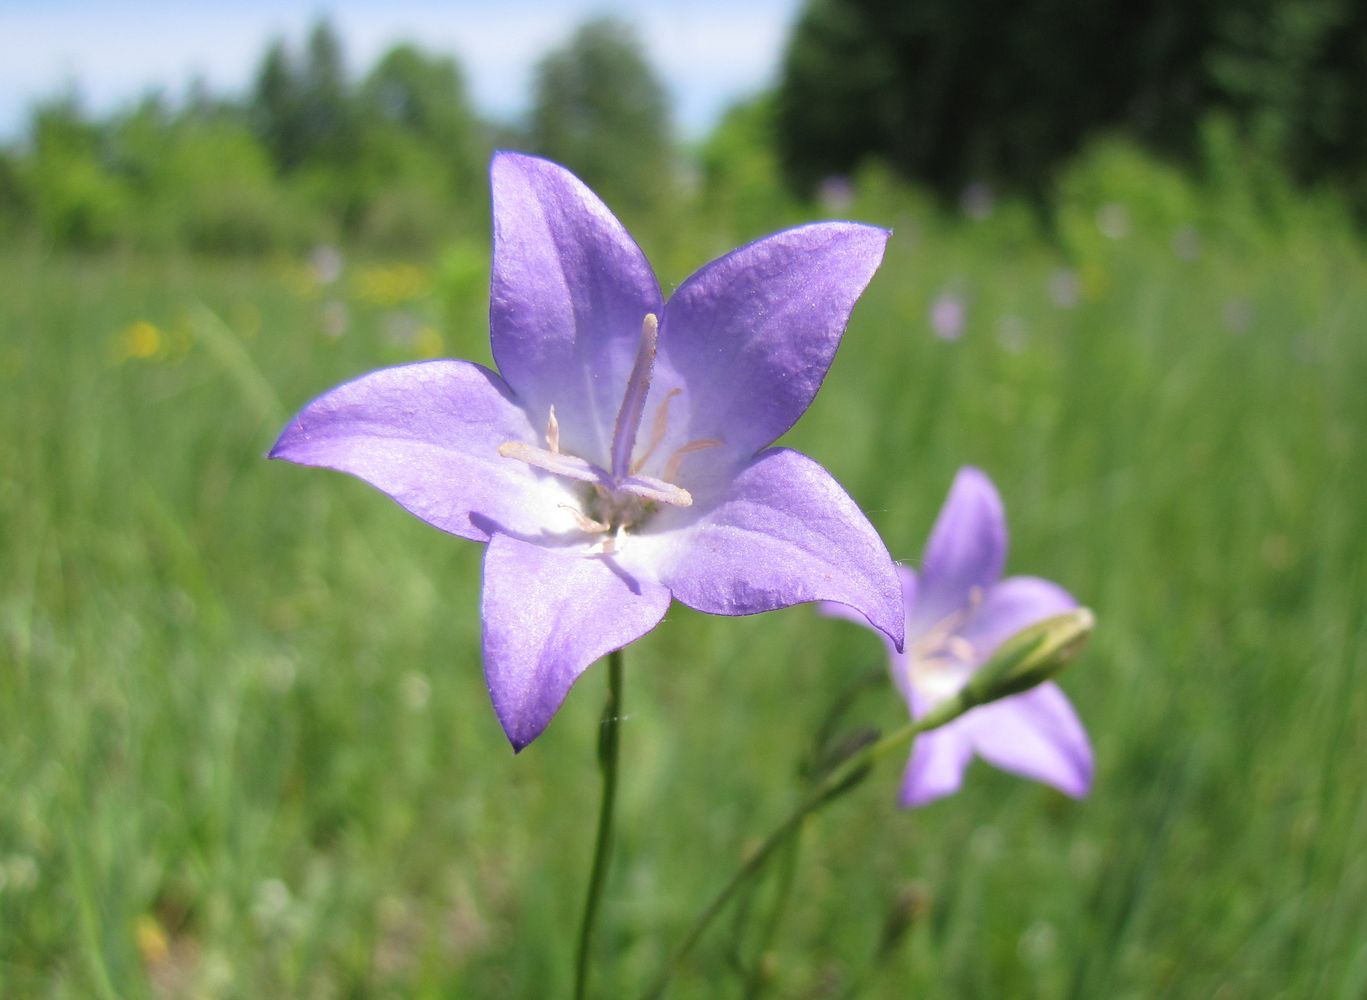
(707, 51)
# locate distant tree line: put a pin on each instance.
(951, 91)
(394, 158)
(943, 92)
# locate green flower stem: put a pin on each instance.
(1032, 656)
(787, 862)
(840, 780)
(608, 745)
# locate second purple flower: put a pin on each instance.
(959, 611)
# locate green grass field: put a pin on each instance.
(246, 750)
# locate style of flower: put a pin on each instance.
(620, 456)
(959, 610)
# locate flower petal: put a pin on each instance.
(936, 768)
(752, 334)
(966, 550)
(568, 294)
(428, 435)
(1010, 606)
(1036, 734)
(547, 617)
(896, 661)
(783, 532)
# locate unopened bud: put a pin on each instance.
(1030, 657)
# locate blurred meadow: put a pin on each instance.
(245, 744)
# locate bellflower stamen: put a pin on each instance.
(569, 466)
(657, 431)
(634, 402)
(650, 488)
(553, 432)
(939, 636)
(958, 646)
(676, 459)
(586, 524)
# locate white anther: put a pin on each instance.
(586, 523)
(553, 432)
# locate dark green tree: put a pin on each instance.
(275, 106)
(301, 107)
(1295, 75)
(741, 184)
(953, 90)
(948, 91)
(599, 108)
(76, 197)
(15, 206)
(424, 97)
(327, 114)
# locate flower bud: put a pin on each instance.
(1030, 657)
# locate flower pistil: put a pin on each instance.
(624, 498)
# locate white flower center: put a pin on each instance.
(940, 660)
(612, 503)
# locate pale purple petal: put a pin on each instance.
(1010, 606)
(1035, 734)
(752, 334)
(966, 551)
(569, 292)
(549, 615)
(936, 768)
(896, 660)
(783, 532)
(428, 435)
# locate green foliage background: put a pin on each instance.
(245, 746)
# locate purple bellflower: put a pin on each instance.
(620, 456)
(959, 610)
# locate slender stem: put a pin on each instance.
(840, 780)
(1026, 659)
(755, 976)
(608, 742)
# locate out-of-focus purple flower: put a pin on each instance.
(326, 262)
(959, 610)
(1065, 290)
(948, 314)
(1012, 333)
(1186, 243)
(336, 318)
(978, 201)
(1113, 220)
(835, 194)
(1237, 315)
(401, 327)
(620, 457)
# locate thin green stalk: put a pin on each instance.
(839, 781)
(608, 744)
(1030, 657)
(755, 982)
